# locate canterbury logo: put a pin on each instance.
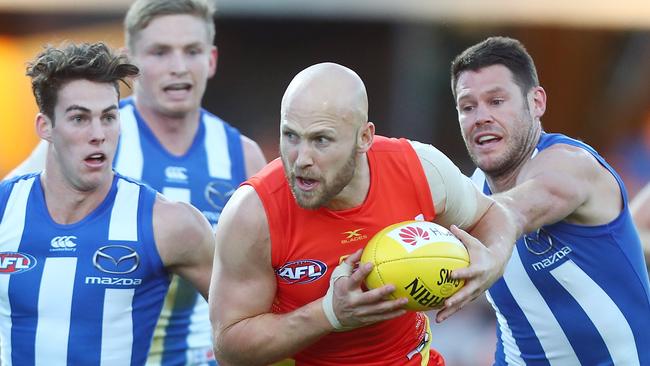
(352, 234)
(65, 243)
(176, 173)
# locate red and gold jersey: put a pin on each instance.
(306, 246)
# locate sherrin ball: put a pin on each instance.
(418, 258)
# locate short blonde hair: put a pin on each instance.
(142, 12)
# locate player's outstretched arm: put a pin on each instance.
(640, 207)
(562, 182)
(243, 288)
(459, 204)
(185, 242)
(35, 162)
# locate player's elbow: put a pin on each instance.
(223, 353)
(231, 349)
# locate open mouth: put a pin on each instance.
(178, 87)
(486, 140)
(95, 159)
(306, 184)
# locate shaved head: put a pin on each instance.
(324, 136)
(328, 88)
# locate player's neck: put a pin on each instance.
(507, 178)
(67, 204)
(175, 134)
(502, 182)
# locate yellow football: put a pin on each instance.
(417, 257)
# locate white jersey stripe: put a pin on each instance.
(218, 155)
(129, 159)
(512, 352)
(539, 315)
(601, 310)
(124, 217)
(177, 194)
(11, 231)
(117, 332)
(54, 304)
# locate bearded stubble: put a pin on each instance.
(521, 143)
(326, 191)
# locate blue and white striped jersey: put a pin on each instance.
(205, 176)
(88, 293)
(574, 295)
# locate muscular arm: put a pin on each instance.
(185, 242)
(34, 163)
(563, 183)
(243, 288)
(640, 207)
(253, 157)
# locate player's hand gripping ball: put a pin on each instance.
(417, 257)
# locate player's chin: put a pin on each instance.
(178, 109)
(308, 203)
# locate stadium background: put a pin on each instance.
(593, 58)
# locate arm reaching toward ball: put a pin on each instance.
(490, 228)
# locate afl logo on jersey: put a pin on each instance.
(13, 262)
(302, 271)
(116, 259)
(217, 193)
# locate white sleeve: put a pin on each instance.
(454, 195)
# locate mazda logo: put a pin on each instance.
(116, 259)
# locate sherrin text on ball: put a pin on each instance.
(418, 258)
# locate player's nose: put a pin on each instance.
(304, 155)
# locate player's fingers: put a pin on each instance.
(381, 306)
(346, 269)
(359, 275)
(468, 292)
(368, 311)
(449, 310)
(464, 237)
(456, 302)
(353, 258)
(374, 318)
(376, 295)
(466, 273)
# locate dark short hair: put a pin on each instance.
(504, 51)
(54, 67)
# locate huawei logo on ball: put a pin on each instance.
(411, 235)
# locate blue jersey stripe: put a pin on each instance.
(67, 308)
(573, 294)
(205, 176)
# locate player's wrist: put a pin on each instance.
(342, 270)
(328, 310)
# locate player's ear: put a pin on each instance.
(537, 101)
(365, 136)
(123, 51)
(214, 58)
(44, 127)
